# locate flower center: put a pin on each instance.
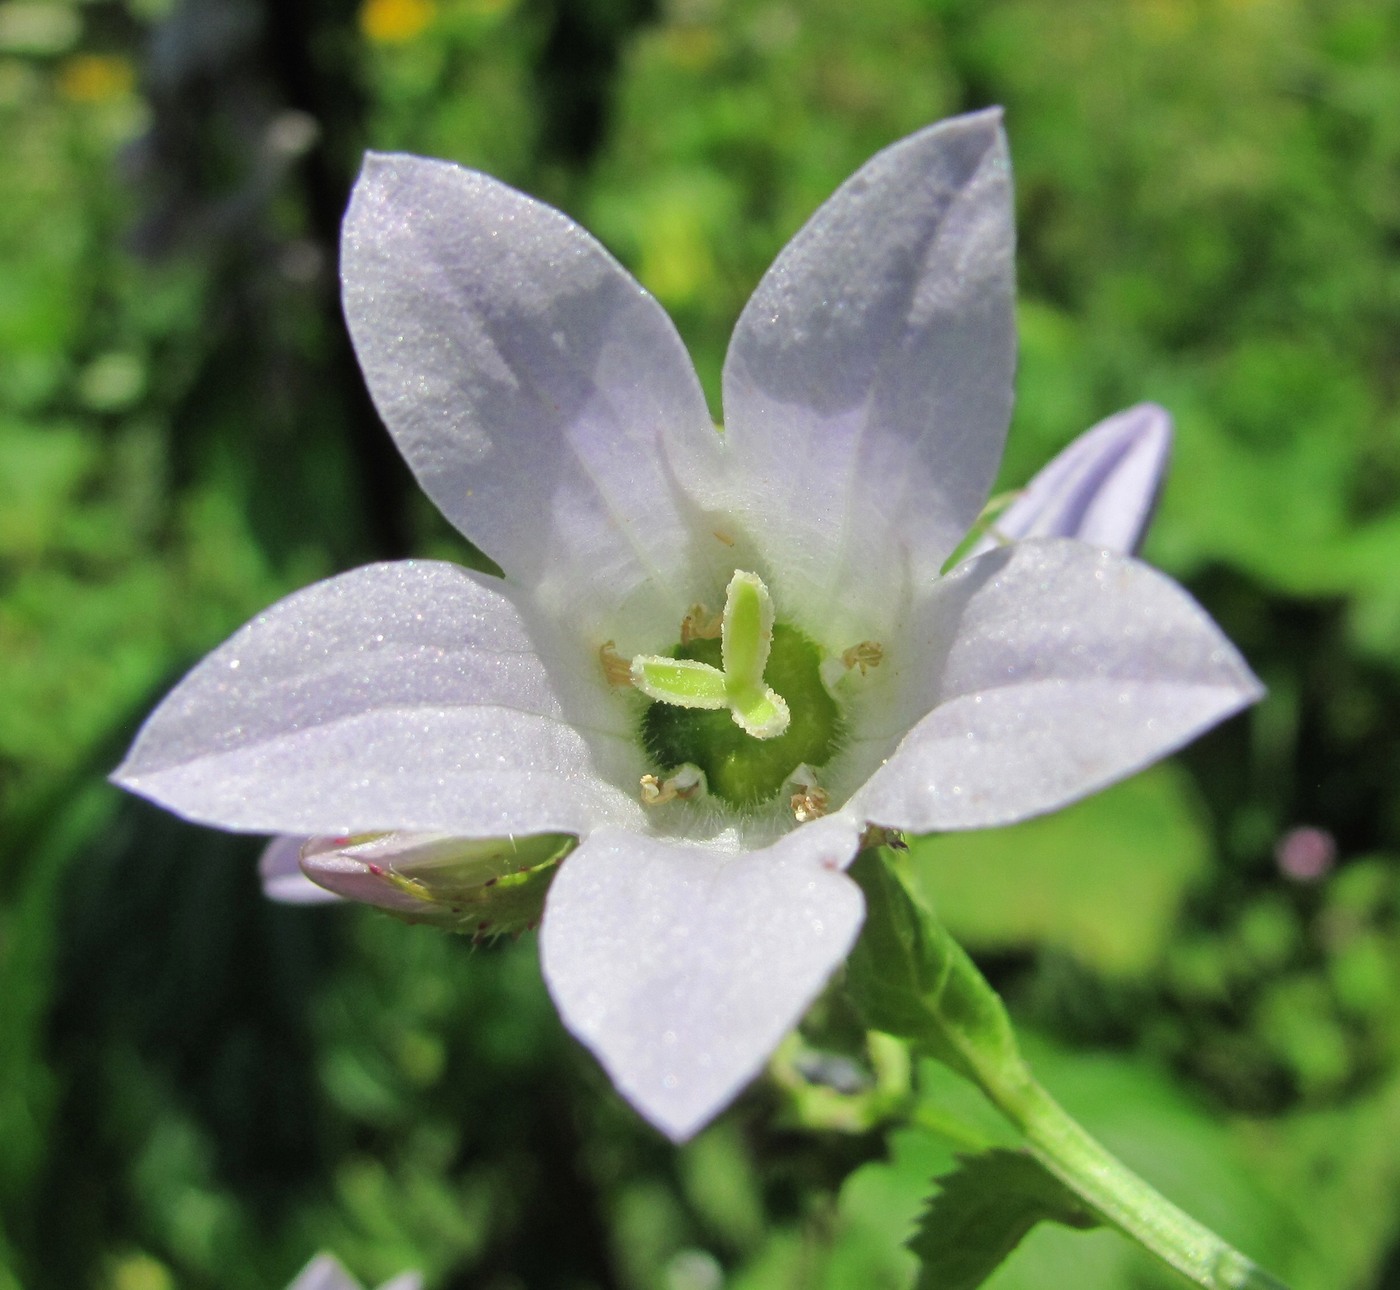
(734, 680)
(747, 709)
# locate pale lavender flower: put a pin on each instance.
(325, 1272)
(1101, 489)
(791, 565)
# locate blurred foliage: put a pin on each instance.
(198, 1089)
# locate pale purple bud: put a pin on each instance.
(279, 868)
(481, 886)
(325, 1272)
(1102, 489)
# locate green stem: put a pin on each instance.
(1117, 1194)
(913, 979)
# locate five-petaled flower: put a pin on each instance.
(715, 657)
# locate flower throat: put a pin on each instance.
(740, 698)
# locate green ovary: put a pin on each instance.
(743, 771)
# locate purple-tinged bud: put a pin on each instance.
(478, 886)
(279, 868)
(1102, 489)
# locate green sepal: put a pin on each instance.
(910, 978)
(985, 523)
(503, 906)
(980, 1213)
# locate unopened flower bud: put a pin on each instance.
(481, 887)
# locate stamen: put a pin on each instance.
(699, 624)
(866, 655)
(654, 792)
(687, 782)
(810, 802)
(616, 668)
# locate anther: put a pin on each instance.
(617, 669)
(810, 802)
(699, 624)
(654, 792)
(688, 782)
(866, 655)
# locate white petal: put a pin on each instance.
(397, 696)
(1051, 669)
(404, 1281)
(279, 867)
(539, 394)
(682, 967)
(1101, 489)
(868, 385)
(324, 1272)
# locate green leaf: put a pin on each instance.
(980, 1213)
(1102, 880)
(1206, 1163)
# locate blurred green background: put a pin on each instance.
(200, 1089)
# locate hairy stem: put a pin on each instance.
(1117, 1194)
(911, 978)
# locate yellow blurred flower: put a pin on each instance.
(390, 22)
(95, 78)
(691, 47)
(140, 1272)
(675, 260)
(1166, 19)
